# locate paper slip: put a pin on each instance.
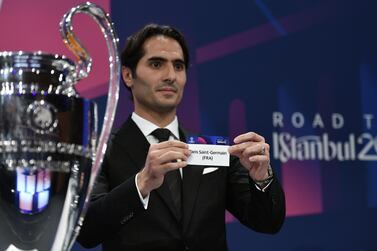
(208, 155)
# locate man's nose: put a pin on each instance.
(170, 73)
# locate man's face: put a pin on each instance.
(160, 76)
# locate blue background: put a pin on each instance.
(252, 58)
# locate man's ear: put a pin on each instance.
(127, 76)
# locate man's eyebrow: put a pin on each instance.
(181, 61)
(157, 59)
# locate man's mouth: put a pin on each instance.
(167, 89)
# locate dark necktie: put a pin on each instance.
(172, 178)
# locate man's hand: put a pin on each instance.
(162, 158)
(254, 155)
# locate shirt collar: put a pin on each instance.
(148, 127)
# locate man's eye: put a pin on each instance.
(179, 67)
(155, 64)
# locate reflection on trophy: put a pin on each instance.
(50, 153)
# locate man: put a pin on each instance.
(134, 205)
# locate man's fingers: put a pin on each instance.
(170, 156)
(250, 136)
(259, 159)
(169, 166)
(170, 143)
(256, 149)
(239, 148)
(235, 150)
(158, 152)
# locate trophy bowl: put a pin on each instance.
(50, 152)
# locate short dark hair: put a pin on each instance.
(134, 48)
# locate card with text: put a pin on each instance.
(208, 150)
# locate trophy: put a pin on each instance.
(49, 150)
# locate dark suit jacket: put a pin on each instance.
(116, 217)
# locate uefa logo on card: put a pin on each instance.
(191, 140)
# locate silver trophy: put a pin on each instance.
(49, 152)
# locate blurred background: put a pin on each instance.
(303, 73)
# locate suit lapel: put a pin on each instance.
(133, 142)
(191, 181)
(165, 194)
(137, 146)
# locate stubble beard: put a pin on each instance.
(158, 106)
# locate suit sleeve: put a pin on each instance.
(108, 210)
(261, 211)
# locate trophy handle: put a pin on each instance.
(83, 68)
(85, 61)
